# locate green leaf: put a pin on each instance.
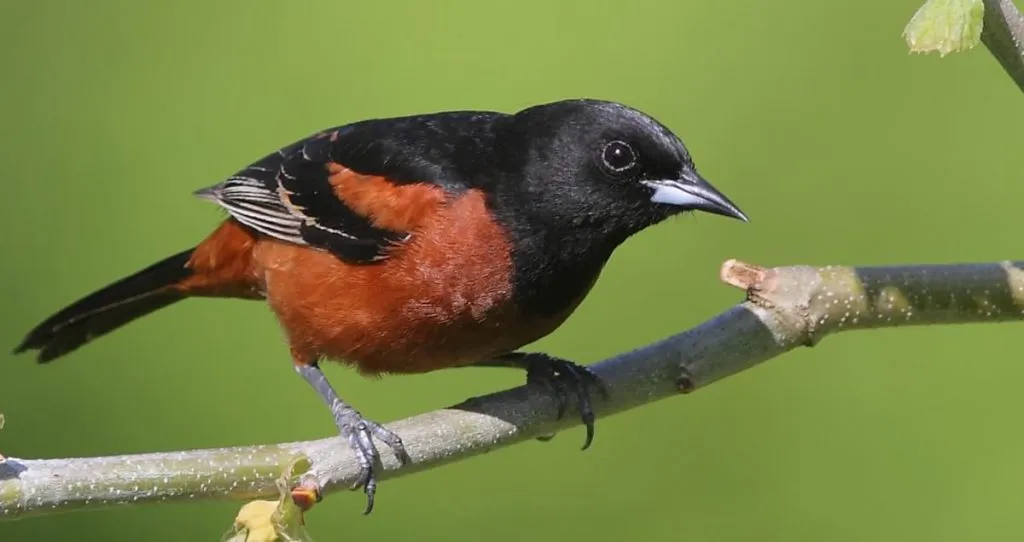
(945, 26)
(273, 521)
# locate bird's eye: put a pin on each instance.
(618, 156)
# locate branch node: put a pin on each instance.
(685, 382)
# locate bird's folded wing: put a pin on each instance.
(297, 195)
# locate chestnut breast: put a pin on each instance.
(443, 298)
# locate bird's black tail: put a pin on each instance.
(109, 308)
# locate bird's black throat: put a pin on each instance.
(554, 264)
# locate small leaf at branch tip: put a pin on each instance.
(273, 521)
(945, 26)
(741, 275)
(268, 521)
(253, 523)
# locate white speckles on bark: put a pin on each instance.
(786, 307)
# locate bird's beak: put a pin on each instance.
(692, 192)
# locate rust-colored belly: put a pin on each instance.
(442, 300)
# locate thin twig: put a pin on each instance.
(1003, 34)
(786, 307)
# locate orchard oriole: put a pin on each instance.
(416, 243)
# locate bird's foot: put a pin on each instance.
(563, 377)
(359, 433)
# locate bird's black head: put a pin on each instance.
(605, 167)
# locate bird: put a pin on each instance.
(420, 242)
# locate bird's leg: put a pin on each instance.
(357, 430)
(562, 376)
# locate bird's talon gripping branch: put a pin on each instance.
(561, 376)
(392, 440)
(548, 377)
(357, 431)
(582, 380)
(360, 439)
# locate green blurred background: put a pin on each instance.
(812, 116)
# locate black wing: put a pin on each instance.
(288, 195)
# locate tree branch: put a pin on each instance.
(1003, 34)
(786, 307)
